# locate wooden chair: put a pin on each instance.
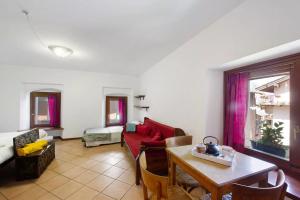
(241, 192)
(183, 179)
(179, 141)
(158, 185)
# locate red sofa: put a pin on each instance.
(147, 135)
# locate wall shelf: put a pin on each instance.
(143, 107)
(140, 97)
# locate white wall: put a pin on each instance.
(185, 89)
(82, 95)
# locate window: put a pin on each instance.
(269, 110)
(116, 110)
(273, 106)
(45, 109)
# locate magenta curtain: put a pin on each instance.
(236, 106)
(122, 111)
(53, 111)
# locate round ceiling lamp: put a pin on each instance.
(60, 51)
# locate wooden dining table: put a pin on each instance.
(217, 178)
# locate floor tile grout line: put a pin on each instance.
(116, 155)
(68, 195)
(3, 195)
(112, 183)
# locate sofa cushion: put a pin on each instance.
(130, 127)
(157, 136)
(32, 147)
(156, 158)
(143, 130)
(133, 142)
(153, 143)
(165, 130)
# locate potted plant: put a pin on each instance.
(271, 140)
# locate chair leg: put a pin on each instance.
(122, 139)
(159, 192)
(145, 192)
(137, 172)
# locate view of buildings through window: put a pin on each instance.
(114, 115)
(269, 115)
(116, 110)
(41, 111)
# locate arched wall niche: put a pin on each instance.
(27, 88)
(116, 91)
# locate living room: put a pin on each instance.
(154, 62)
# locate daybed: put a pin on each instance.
(98, 136)
(6, 146)
(147, 135)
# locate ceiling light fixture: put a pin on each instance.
(60, 51)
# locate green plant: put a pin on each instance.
(272, 136)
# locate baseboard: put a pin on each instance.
(59, 137)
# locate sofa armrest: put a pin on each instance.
(179, 132)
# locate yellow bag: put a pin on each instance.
(32, 147)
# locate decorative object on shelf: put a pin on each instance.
(140, 97)
(143, 107)
(271, 140)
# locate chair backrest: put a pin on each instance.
(179, 141)
(241, 192)
(158, 185)
(165, 130)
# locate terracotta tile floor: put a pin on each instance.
(99, 173)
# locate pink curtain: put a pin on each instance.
(236, 105)
(122, 111)
(53, 112)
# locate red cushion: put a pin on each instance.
(156, 136)
(156, 158)
(165, 130)
(153, 143)
(133, 142)
(143, 130)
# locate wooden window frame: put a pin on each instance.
(32, 108)
(278, 66)
(107, 106)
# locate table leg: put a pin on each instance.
(216, 195)
(264, 182)
(173, 171)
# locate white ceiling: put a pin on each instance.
(112, 36)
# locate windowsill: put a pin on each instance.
(280, 162)
(51, 128)
(268, 154)
(292, 178)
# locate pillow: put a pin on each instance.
(48, 138)
(130, 127)
(143, 130)
(42, 133)
(156, 158)
(157, 136)
(32, 147)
